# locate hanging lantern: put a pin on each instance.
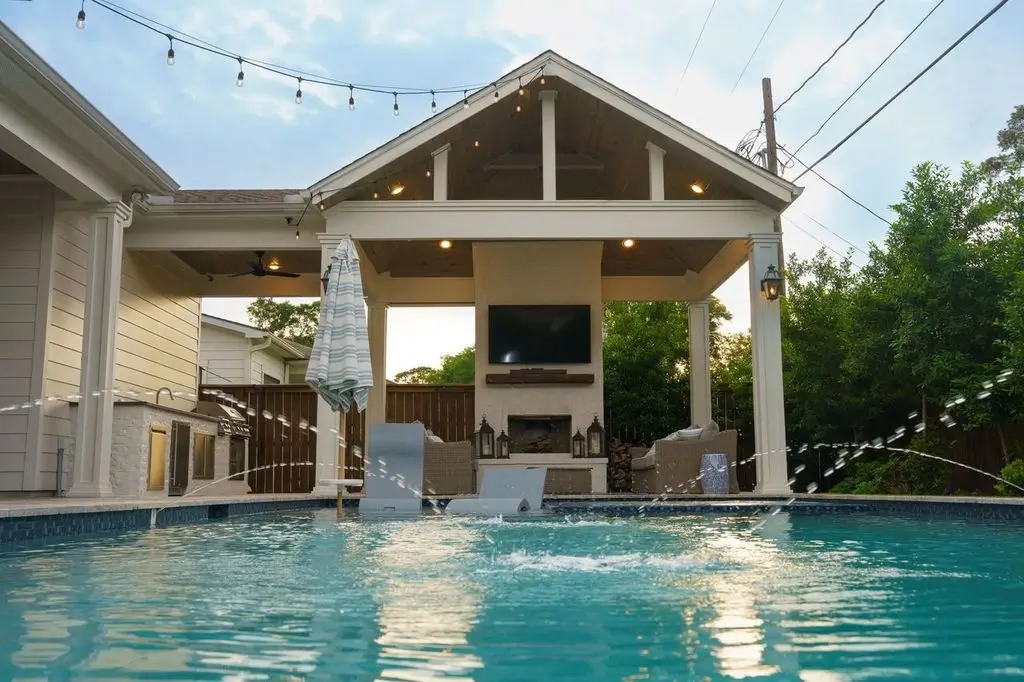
(771, 284)
(579, 445)
(504, 445)
(595, 439)
(485, 440)
(326, 278)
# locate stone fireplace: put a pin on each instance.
(535, 434)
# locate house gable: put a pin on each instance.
(415, 145)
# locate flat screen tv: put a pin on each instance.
(538, 334)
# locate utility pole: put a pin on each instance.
(772, 160)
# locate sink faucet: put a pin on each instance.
(161, 390)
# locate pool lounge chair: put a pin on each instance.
(674, 465)
(505, 490)
(394, 469)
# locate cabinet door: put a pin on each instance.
(157, 458)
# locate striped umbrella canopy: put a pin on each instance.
(339, 366)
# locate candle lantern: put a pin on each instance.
(503, 445)
(485, 440)
(579, 445)
(595, 439)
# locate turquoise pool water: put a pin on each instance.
(306, 596)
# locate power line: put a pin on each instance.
(906, 87)
(832, 185)
(834, 53)
(835, 234)
(808, 233)
(869, 76)
(757, 47)
(695, 44)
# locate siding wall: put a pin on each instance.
(157, 333)
(26, 210)
(227, 358)
(223, 356)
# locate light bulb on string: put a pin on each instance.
(298, 92)
(497, 95)
(240, 80)
(521, 91)
(465, 100)
(80, 20)
(429, 173)
(542, 80)
(395, 108)
(351, 99)
(170, 50)
(297, 234)
(433, 103)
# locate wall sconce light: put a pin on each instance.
(771, 284)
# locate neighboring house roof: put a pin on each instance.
(236, 196)
(122, 155)
(290, 349)
(551, 64)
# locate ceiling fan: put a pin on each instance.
(258, 269)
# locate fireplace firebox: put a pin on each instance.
(535, 434)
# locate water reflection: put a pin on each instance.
(426, 615)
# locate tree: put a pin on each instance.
(459, 368)
(293, 321)
(646, 364)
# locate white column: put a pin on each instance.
(700, 363)
(656, 171)
(549, 156)
(94, 430)
(766, 347)
(441, 172)
(377, 323)
(328, 422)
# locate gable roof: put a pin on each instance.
(128, 160)
(290, 349)
(553, 65)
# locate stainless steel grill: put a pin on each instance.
(232, 422)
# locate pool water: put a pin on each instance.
(309, 596)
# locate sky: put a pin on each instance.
(207, 133)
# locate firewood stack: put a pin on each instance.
(539, 444)
(620, 472)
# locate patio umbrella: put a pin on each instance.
(339, 366)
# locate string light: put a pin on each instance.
(298, 92)
(396, 103)
(170, 50)
(521, 91)
(173, 34)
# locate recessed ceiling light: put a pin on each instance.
(696, 188)
(397, 189)
(445, 244)
(628, 243)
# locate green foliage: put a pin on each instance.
(1014, 473)
(293, 321)
(455, 369)
(646, 363)
(896, 473)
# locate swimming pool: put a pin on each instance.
(309, 596)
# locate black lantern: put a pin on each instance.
(579, 445)
(326, 278)
(503, 445)
(485, 440)
(771, 284)
(595, 439)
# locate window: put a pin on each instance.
(203, 456)
(267, 379)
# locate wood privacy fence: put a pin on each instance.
(448, 411)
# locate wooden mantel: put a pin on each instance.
(535, 376)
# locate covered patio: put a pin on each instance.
(552, 188)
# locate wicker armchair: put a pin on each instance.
(448, 468)
(675, 463)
